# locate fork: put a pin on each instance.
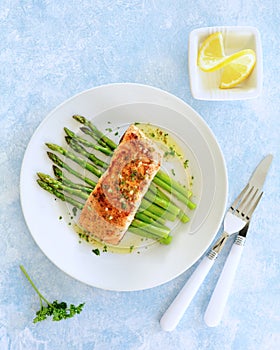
(217, 303)
(237, 216)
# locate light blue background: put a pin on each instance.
(51, 50)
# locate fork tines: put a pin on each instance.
(246, 202)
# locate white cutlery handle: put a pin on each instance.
(176, 310)
(215, 309)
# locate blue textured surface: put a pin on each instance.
(51, 50)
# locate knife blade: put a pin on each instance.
(259, 175)
(214, 311)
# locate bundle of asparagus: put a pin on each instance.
(156, 207)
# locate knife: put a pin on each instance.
(215, 309)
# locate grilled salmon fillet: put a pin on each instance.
(113, 203)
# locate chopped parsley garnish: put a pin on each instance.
(123, 205)
(171, 152)
(74, 210)
(84, 236)
(173, 172)
(186, 163)
(96, 251)
(133, 175)
(109, 129)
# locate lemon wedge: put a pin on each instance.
(239, 66)
(211, 55)
(236, 67)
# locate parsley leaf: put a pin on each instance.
(96, 251)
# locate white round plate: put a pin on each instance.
(120, 104)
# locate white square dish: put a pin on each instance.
(205, 85)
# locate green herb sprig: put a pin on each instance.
(58, 311)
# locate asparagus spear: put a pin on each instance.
(63, 165)
(80, 149)
(182, 216)
(143, 216)
(87, 131)
(184, 199)
(62, 178)
(157, 210)
(61, 187)
(162, 203)
(98, 133)
(152, 215)
(84, 164)
(144, 233)
(86, 143)
(160, 232)
(60, 195)
(173, 183)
